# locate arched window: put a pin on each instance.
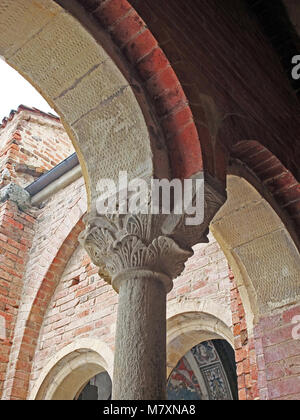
(206, 372)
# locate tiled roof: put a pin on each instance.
(26, 108)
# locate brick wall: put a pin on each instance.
(57, 227)
(205, 277)
(83, 305)
(277, 340)
(244, 345)
(16, 234)
(31, 143)
(268, 360)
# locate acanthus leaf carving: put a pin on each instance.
(159, 243)
(119, 243)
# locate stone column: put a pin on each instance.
(140, 255)
(140, 356)
(140, 264)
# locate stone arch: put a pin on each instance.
(259, 249)
(104, 107)
(144, 58)
(207, 306)
(70, 369)
(185, 329)
(275, 182)
(76, 78)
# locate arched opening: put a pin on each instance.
(200, 357)
(78, 77)
(98, 388)
(68, 374)
(262, 254)
(187, 329)
(206, 372)
(262, 169)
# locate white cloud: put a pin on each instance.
(15, 90)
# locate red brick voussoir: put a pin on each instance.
(278, 180)
(140, 48)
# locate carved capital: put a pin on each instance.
(158, 244)
(122, 243)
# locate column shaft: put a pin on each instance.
(140, 347)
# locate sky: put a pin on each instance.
(15, 90)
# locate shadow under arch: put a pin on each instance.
(71, 368)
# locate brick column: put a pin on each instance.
(16, 233)
(244, 345)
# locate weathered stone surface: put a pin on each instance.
(119, 243)
(107, 117)
(139, 369)
(263, 254)
(140, 255)
(16, 194)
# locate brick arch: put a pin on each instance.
(280, 183)
(202, 89)
(18, 374)
(145, 58)
(145, 93)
